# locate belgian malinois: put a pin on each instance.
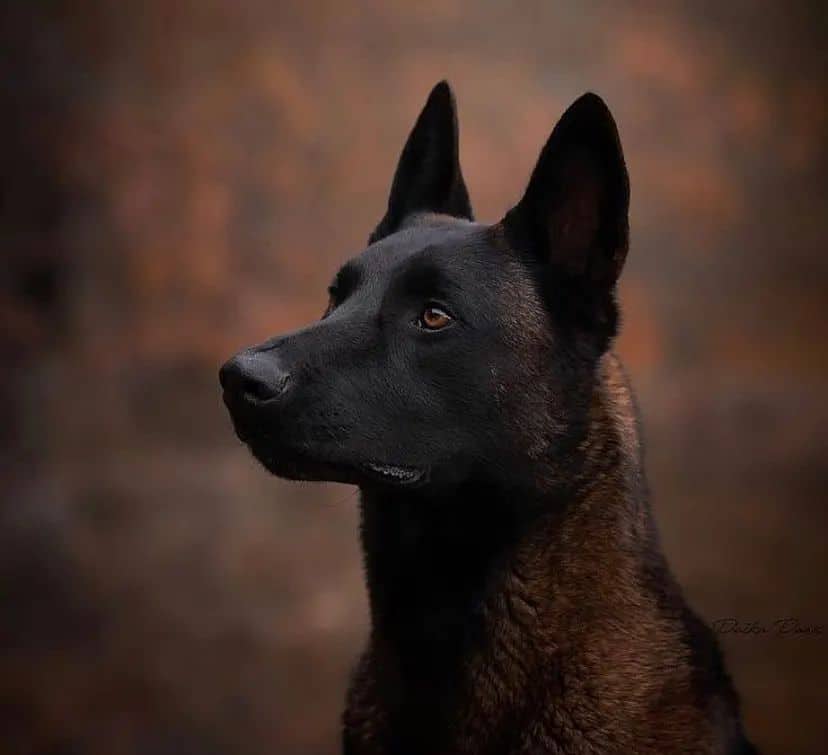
(462, 377)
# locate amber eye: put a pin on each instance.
(434, 318)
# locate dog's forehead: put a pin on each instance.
(443, 243)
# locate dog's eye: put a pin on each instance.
(434, 318)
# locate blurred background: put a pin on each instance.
(180, 179)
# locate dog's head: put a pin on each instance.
(451, 349)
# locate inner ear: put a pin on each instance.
(574, 212)
(428, 176)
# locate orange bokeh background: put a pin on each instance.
(183, 178)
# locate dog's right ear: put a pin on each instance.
(428, 176)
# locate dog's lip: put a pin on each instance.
(393, 472)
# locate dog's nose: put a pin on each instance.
(254, 376)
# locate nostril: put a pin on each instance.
(254, 378)
(257, 390)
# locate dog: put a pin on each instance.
(462, 376)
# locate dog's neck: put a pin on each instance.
(483, 586)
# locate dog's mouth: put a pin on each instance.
(300, 467)
(317, 458)
(303, 466)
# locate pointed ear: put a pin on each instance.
(428, 176)
(574, 212)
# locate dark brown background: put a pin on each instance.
(182, 178)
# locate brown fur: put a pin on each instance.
(584, 640)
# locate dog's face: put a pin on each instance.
(450, 349)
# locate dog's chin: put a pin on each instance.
(293, 465)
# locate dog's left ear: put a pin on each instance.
(428, 176)
(573, 215)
